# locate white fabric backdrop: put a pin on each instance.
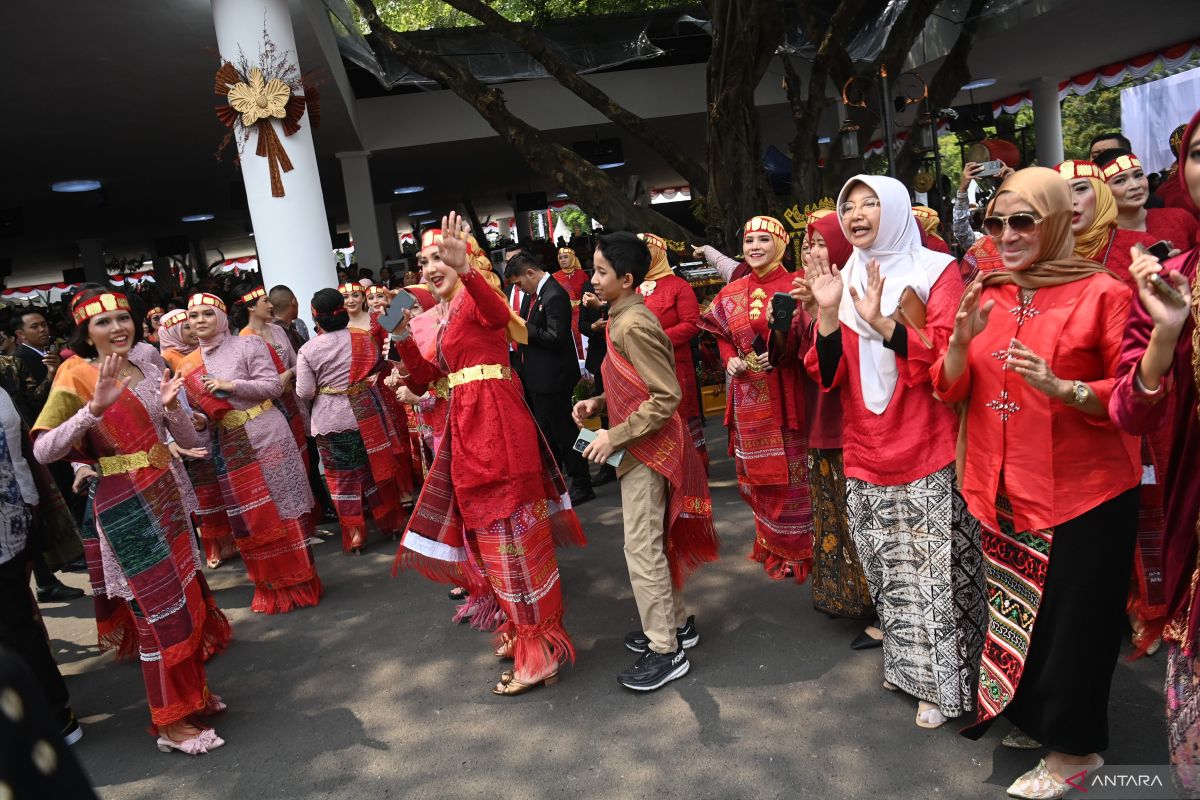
(1151, 111)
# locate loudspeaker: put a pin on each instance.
(74, 275)
(532, 201)
(600, 151)
(341, 241)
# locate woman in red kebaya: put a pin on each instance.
(1127, 180)
(1034, 358)
(765, 410)
(918, 545)
(671, 299)
(487, 491)
(1094, 220)
(1159, 390)
(572, 277)
(839, 585)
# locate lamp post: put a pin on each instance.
(907, 96)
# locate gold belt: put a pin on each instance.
(158, 456)
(354, 388)
(441, 388)
(574, 303)
(480, 372)
(238, 417)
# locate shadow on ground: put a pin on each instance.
(376, 694)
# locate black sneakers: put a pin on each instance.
(654, 670)
(687, 635)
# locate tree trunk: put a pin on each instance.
(529, 40)
(745, 36)
(807, 107)
(597, 193)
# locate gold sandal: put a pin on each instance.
(505, 651)
(512, 687)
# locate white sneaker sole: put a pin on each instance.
(687, 644)
(678, 672)
(74, 736)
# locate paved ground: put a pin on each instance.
(374, 694)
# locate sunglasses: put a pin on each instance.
(1021, 223)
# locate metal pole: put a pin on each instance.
(937, 163)
(886, 103)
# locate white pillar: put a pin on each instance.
(91, 258)
(360, 202)
(385, 221)
(290, 232)
(1047, 122)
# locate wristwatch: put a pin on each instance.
(1080, 393)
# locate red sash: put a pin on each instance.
(757, 440)
(691, 538)
(248, 504)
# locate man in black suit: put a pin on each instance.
(548, 366)
(32, 333)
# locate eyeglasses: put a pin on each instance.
(1022, 223)
(870, 204)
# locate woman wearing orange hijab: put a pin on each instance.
(573, 279)
(671, 299)
(765, 411)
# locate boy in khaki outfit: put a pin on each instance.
(664, 491)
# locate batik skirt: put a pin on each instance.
(920, 551)
(839, 586)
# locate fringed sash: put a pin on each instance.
(691, 538)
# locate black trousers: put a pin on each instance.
(552, 412)
(1062, 699)
(22, 633)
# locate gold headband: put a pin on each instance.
(1120, 164)
(768, 224)
(1077, 168)
(172, 318)
(206, 299)
(653, 241)
(100, 304)
(252, 295)
(348, 289)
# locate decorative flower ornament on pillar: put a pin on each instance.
(257, 96)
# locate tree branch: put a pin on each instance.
(537, 47)
(567, 169)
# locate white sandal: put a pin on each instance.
(1040, 784)
(930, 718)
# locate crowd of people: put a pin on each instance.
(987, 460)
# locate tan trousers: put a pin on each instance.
(643, 507)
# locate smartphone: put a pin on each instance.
(783, 308)
(391, 319)
(1159, 285)
(586, 437)
(989, 169)
(1160, 249)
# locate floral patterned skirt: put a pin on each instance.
(839, 586)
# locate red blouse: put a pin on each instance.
(574, 284)
(673, 301)
(915, 436)
(1057, 461)
(1173, 224)
(490, 429)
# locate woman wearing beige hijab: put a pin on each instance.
(1034, 359)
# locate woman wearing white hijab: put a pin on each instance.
(918, 545)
